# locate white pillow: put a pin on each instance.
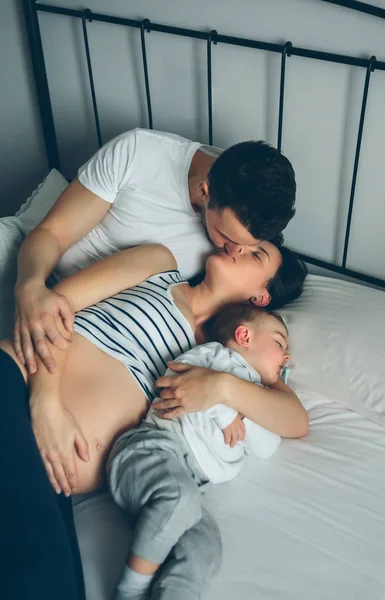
(41, 201)
(12, 232)
(337, 344)
(11, 238)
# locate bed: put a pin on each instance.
(310, 522)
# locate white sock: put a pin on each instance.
(133, 585)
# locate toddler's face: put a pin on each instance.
(269, 349)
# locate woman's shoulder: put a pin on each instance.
(162, 258)
(167, 278)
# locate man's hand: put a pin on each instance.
(36, 311)
(193, 389)
(59, 438)
(235, 432)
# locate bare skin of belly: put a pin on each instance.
(104, 399)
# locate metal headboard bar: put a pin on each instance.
(87, 14)
(31, 8)
(146, 25)
(369, 9)
(224, 39)
(369, 70)
(342, 270)
(42, 89)
(212, 38)
(285, 52)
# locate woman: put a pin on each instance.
(103, 386)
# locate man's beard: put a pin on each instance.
(204, 223)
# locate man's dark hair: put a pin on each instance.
(257, 182)
(287, 283)
(226, 323)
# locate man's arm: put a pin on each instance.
(194, 388)
(76, 212)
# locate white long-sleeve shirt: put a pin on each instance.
(203, 430)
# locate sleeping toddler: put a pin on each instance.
(157, 470)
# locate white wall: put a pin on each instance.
(22, 157)
(322, 100)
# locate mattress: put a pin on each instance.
(309, 523)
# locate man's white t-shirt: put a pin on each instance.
(143, 174)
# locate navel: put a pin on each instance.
(98, 445)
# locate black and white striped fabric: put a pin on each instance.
(141, 327)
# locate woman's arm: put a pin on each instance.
(195, 388)
(114, 274)
(57, 433)
(277, 408)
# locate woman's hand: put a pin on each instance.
(59, 438)
(191, 390)
(235, 432)
(36, 311)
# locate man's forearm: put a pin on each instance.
(39, 254)
(278, 410)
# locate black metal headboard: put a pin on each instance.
(31, 9)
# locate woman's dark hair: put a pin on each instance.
(287, 284)
(258, 183)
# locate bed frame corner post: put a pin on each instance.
(41, 82)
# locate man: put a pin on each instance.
(148, 186)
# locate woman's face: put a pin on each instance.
(241, 277)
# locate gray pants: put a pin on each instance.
(155, 479)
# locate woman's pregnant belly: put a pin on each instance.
(104, 399)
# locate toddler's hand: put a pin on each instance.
(235, 432)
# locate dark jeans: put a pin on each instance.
(39, 553)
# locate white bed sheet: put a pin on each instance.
(310, 522)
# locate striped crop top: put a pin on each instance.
(141, 327)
